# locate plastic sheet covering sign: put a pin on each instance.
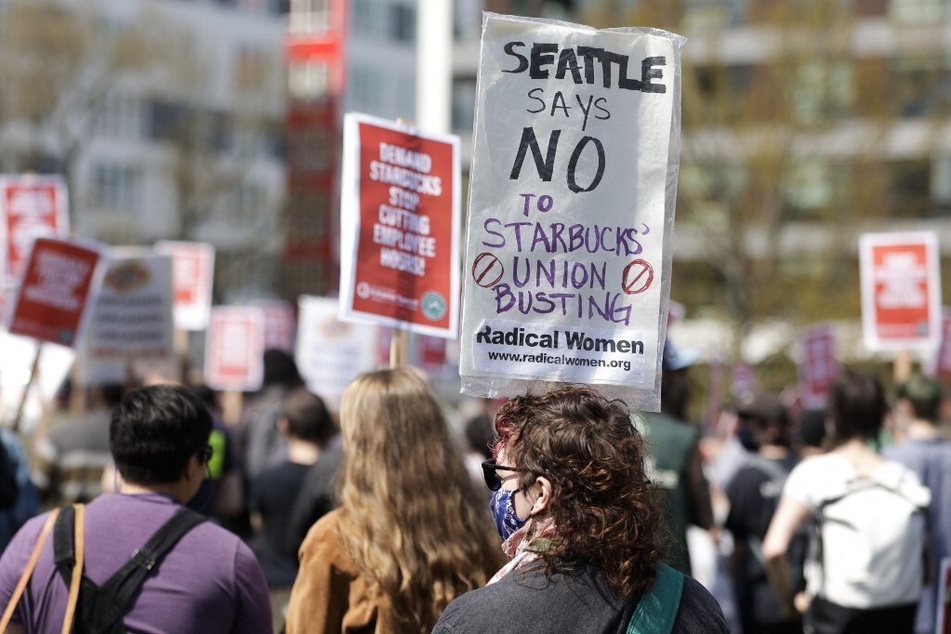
(59, 280)
(193, 270)
(131, 316)
(234, 348)
(32, 206)
(399, 227)
(571, 206)
(901, 290)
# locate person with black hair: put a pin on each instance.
(753, 494)
(260, 443)
(869, 513)
(209, 582)
(307, 426)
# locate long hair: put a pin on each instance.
(411, 517)
(605, 510)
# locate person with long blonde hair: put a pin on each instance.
(411, 532)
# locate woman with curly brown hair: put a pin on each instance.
(582, 526)
(411, 533)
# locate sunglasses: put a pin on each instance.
(492, 479)
(205, 454)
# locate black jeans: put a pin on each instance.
(825, 617)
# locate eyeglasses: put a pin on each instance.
(205, 454)
(492, 479)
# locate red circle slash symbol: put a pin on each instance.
(637, 277)
(487, 270)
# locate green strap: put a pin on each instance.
(657, 610)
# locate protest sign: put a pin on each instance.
(330, 352)
(58, 281)
(571, 206)
(399, 263)
(234, 348)
(279, 324)
(193, 271)
(32, 206)
(818, 365)
(901, 290)
(131, 317)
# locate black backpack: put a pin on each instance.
(100, 609)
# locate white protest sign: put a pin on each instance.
(131, 317)
(234, 348)
(330, 352)
(571, 205)
(31, 206)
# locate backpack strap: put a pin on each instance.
(28, 569)
(116, 593)
(657, 610)
(107, 604)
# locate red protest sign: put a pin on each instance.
(59, 278)
(818, 366)
(400, 227)
(234, 350)
(32, 206)
(901, 290)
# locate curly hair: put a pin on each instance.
(411, 516)
(605, 510)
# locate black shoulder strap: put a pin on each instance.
(64, 546)
(112, 598)
(115, 594)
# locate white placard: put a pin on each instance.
(571, 206)
(330, 352)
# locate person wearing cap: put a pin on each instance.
(673, 456)
(753, 494)
(916, 414)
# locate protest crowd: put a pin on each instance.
(294, 484)
(400, 512)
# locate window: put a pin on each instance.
(463, 104)
(252, 69)
(811, 188)
(166, 120)
(308, 215)
(366, 88)
(921, 85)
(116, 187)
(311, 149)
(248, 205)
(361, 17)
(822, 90)
(308, 80)
(118, 117)
(402, 23)
(308, 16)
(911, 189)
(916, 11)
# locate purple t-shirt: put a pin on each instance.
(209, 582)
